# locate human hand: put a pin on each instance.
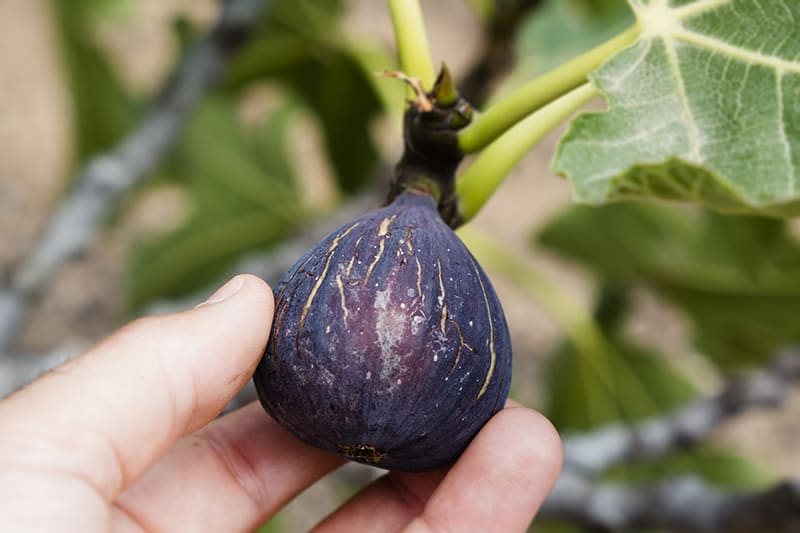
(124, 438)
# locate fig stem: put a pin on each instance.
(430, 152)
(477, 183)
(517, 106)
(412, 41)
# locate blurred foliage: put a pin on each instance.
(624, 382)
(102, 108)
(718, 467)
(632, 383)
(302, 46)
(561, 29)
(241, 183)
(244, 194)
(734, 277)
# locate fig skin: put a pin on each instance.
(389, 344)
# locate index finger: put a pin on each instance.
(109, 414)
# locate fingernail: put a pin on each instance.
(226, 291)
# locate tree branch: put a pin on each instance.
(680, 504)
(593, 452)
(107, 176)
(17, 370)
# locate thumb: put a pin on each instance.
(109, 414)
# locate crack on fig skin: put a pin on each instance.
(383, 228)
(461, 346)
(282, 306)
(362, 452)
(440, 299)
(320, 281)
(409, 242)
(342, 301)
(381, 247)
(383, 231)
(492, 352)
(419, 283)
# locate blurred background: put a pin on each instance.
(616, 313)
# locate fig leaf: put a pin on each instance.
(703, 108)
(734, 277)
(243, 191)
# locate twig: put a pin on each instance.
(273, 263)
(680, 504)
(107, 176)
(17, 370)
(593, 452)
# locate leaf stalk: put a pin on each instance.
(476, 185)
(504, 114)
(412, 41)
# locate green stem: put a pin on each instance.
(412, 41)
(577, 323)
(477, 184)
(503, 115)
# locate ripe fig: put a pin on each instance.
(389, 344)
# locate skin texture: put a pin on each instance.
(389, 345)
(124, 438)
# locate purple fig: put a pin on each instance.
(389, 345)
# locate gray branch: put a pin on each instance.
(18, 370)
(592, 452)
(109, 175)
(680, 504)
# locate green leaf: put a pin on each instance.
(245, 198)
(559, 30)
(632, 384)
(302, 46)
(704, 107)
(290, 33)
(102, 108)
(722, 468)
(737, 278)
(345, 103)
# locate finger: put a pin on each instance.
(387, 504)
(230, 476)
(501, 480)
(498, 484)
(109, 414)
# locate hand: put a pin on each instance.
(124, 438)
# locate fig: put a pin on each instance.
(389, 345)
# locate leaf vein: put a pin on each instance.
(723, 48)
(698, 8)
(618, 81)
(674, 63)
(783, 136)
